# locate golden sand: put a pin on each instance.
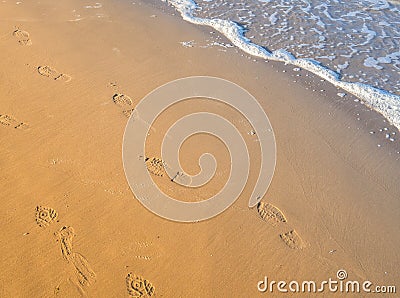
(71, 76)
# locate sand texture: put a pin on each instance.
(71, 76)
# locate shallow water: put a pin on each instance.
(353, 44)
(360, 40)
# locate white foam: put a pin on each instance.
(273, 19)
(371, 62)
(188, 44)
(96, 5)
(382, 101)
(384, 60)
(370, 34)
(378, 4)
(343, 66)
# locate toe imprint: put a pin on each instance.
(10, 121)
(270, 213)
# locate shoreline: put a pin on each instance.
(382, 101)
(335, 187)
(308, 80)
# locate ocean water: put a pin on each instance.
(355, 45)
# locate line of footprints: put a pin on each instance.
(136, 285)
(23, 38)
(274, 216)
(267, 211)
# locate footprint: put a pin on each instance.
(274, 216)
(7, 120)
(22, 37)
(65, 236)
(10, 121)
(128, 113)
(84, 272)
(155, 166)
(147, 251)
(45, 216)
(122, 99)
(52, 73)
(270, 213)
(137, 286)
(47, 71)
(293, 240)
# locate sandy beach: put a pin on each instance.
(71, 75)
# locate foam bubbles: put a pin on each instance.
(358, 53)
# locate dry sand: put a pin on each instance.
(70, 225)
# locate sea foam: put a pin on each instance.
(384, 102)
